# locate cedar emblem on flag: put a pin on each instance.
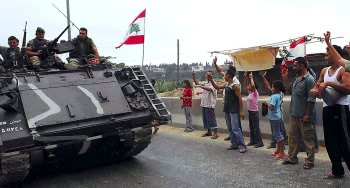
(297, 48)
(136, 31)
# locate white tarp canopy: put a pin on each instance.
(254, 59)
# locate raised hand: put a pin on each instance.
(215, 60)
(327, 37)
(251, 75)
(285, 74)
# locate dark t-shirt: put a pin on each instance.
(231, 103)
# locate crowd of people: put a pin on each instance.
(36, 54)
(333, 85)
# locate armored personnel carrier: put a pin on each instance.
(52, 115)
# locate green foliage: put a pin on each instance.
(164, 86)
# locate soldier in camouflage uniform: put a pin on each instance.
(35, 52)
(11, 55)
(84, 46)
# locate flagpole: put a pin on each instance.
(144, 37)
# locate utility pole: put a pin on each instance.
(178, 61)
(68, 21)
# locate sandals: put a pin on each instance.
(307, 166)
(280, 156)
(206, 134)
(215, 136)
(332, 176)
(274, 154)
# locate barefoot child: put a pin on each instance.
(274, 115)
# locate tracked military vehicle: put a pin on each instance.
(45, 116)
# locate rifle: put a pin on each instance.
(24, 41)
(52, 46)
(22, 59)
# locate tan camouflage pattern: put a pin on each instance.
(72, 64)
(35, 60)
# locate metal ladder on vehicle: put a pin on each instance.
(152, 96)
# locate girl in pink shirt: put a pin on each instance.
(253, 111)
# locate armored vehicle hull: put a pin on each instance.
(58, 115)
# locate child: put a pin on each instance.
(253, 112)
(283, 129)
(187, 104)
(275, 117)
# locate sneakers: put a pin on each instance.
(288, 162)
(250, 144)
(189, 130)
(233, 147)
(242, 149)
(259, 145)
(271, 146)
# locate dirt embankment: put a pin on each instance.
(178, 92)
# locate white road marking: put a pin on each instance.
(97, 104)
(54, 108)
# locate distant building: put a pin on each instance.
(197, 68)
(160, 70)
(228, 62)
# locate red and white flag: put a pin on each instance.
(136, 31)
(297, 48)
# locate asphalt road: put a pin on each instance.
(177, 160)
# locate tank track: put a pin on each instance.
(14, 169)
(141, 141)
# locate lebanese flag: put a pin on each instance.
(136, 31)
(297, 48)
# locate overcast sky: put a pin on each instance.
(201, 26)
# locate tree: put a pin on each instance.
(185, 66)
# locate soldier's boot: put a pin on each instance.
(60, 66)
(37, 68)
(72, 64)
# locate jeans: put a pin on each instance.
(283, 132)
(188, 116)
(276, 130)
(255, 133)
(209, 120)
(233, 124)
